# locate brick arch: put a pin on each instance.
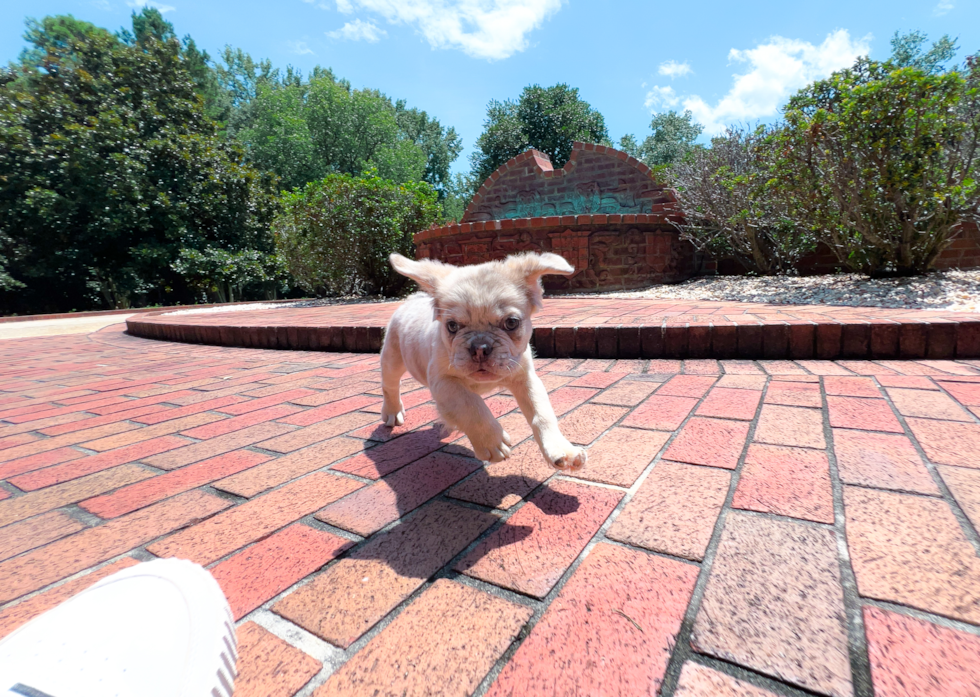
(597, 179)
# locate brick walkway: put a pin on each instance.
(615, 328)
(742, 528)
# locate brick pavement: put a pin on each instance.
(744, 528)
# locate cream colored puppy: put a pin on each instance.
(466, 333)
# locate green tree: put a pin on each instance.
(908, 52)
(150, 25)
(336, 234)
(109, 167)
(881, 162)
(548, 119)
(672, 138)
(304, 129)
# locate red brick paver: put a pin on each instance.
(272, 468)
(609, 631)
(912, 657)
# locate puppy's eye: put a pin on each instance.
(453, 326)
(511, 323)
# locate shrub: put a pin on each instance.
(880, 162)
(223, 276)
(336, 234)
(728, 210)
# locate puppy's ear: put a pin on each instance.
(426, 272)
(531, 267)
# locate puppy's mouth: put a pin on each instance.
(483, 374)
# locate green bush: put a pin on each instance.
(880, 162)
(226, 277)
(729, 210)
(336, 234)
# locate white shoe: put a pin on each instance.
(159, 629)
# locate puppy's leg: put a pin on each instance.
(392, 369)
(532, 398)
(461, 408)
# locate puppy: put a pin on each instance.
(467, 333)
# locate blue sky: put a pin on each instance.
(628, 58)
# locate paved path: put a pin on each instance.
(746, 528)
(55, 327)
(602, 327)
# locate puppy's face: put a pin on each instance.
(485, 322)
(484, 311)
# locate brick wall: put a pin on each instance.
(605, 214)
(607, 255)
(595, 180)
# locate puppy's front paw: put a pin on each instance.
(392, 417)
(562, 455)
(492, 446)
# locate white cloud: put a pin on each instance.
(661, 97)
(775, 70)
(942, 7)
(674, 69)
(300, 48)
(358, 30)
(140, 4)
(491, 29)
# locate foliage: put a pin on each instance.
(672, 138)
(336, 234)
(304, 130)
(459, 192)
(548, 119)
(224, 276)
(724, 193)
(109, 167)
(907, 52)
(881, 162)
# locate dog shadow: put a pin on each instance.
(445, 525)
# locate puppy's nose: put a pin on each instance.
(480, 350)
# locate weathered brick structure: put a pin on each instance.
(606, 214)
(603, 211)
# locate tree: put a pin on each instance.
(109, 168)
(150, 25)
(724, 194)
(673, 137)
(881, 162)
(907, 52)
(304, 129)
(336, 234)
(548, 119)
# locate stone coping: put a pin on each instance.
(614, 328)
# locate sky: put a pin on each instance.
(727, 63)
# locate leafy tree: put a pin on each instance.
(881, 162)
(148, 25)
(908, 52)
(109, 168)
(673, 137)
(548, 119)
(459, 192)
(305, 129)
(729, 211)
(336, 234)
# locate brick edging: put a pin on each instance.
(878, 340)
